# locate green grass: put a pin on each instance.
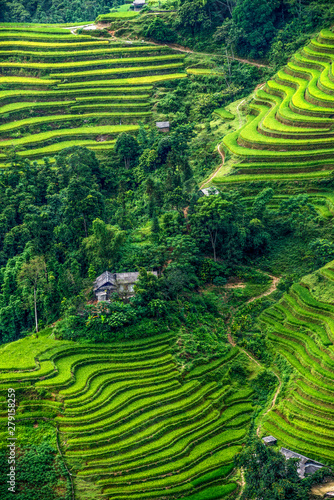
(82, 54)
(116, 15)
(105, 72)
(83, 131)
(289, 133)
(128, 417)
(223, 113)
(21, 80)
(141, 80)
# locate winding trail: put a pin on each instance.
(180, 48)
(273, 287)
(173, 46)
(258, 430)
(213, 175)
(242, 484)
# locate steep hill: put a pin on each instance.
(301, 329)
(289, 131)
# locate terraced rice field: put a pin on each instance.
(289, 131)
(301, 328)
(129, 422)
(57, 89)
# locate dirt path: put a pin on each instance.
(273, 287)
(87, 26)
(242, 484)
(213, 175)
(233, 344)
(180, 48)
(258, 430)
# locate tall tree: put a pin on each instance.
(211, 214)
(103, 245)
(32, 274)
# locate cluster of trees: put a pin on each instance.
(254, 28)
(54, 11)
(40, 473)
(270, 476)
(62, 225)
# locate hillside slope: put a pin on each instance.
(301, 329)
(289, 131)
(126, 419)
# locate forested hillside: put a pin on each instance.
(190, 142)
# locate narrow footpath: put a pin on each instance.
(213, 175)
(273, 287)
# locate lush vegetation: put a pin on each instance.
(160, 394)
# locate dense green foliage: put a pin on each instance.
(54, 11)
(250, 28)
(39, 471)
(270, 477)
(83, 217)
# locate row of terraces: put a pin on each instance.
(58, 89)
(301, 328)
(289, 133)
(129, 422)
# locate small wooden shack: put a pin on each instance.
(138, 4)
(269, 440)
(162, 126)
(121, 283)
(210, 191)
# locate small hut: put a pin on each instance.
(329, 494)
(138, 4)
(269, 440)
(163, 126)
(209, 191)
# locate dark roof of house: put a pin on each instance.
(104, 279)
(292, 454)
(311, 468)
(269, 439)
(162, 124)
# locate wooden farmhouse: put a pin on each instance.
(121, 283)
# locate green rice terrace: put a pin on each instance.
(301, 329)
(58, 89)
(128, 420)
(289, 129)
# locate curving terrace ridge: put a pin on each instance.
(301, 328)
